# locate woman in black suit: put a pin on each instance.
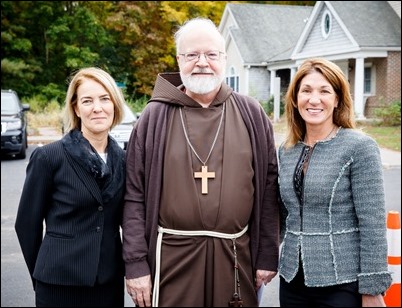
(74, 188)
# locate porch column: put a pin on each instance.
(293, 71)
(359, 89)
(277, 99)
(272, 83)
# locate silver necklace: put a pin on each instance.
(204, 175)
(330, 133)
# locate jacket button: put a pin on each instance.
(100, 208)
(98, 229)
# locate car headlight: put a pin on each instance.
(14, 125)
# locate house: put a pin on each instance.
(266, 43)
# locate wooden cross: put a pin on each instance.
(204, 175)
(236, 301)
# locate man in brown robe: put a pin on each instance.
(201, 219)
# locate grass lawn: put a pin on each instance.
(386, 136)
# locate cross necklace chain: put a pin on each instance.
(204, 175)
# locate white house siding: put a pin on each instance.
(226, 23)
(336, 42)
(259, 83)
(235, 62)
(344, 66)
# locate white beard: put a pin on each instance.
(201, 85)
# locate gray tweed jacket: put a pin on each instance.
(340, 229)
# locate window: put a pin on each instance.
(326, 24)
(367, 80)
(232, 80)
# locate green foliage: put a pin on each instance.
(53, 107)
(44, 42)
(139, 104)
(390, 115)
(18, 76)
(37, 103)
(52, 92)
(50, 99)
(133, 40)
(269, 107)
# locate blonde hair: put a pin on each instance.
(343, 114)
(71, 120)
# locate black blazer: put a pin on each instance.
(82, 243)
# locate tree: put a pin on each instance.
(146, 28)
(44, 42)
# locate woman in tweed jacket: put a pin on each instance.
(334, 248)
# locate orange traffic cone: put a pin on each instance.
(393, 294)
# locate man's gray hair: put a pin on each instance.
(198, 22)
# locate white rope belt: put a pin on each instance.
(161, 231)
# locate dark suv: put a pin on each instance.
(13, 124)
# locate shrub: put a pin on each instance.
(269, 107)
(390, 115)
(52, 92)
(53, 106)
(139, 104)
(36, 103)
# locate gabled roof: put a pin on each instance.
(266, 32)
(368, 24)
(371, 23)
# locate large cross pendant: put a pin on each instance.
(204, 175)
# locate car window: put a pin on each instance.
(9, 104)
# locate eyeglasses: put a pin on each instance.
(213, 55)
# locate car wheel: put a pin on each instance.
(23, 153)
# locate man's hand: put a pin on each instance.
(140, 290)
(263, 277)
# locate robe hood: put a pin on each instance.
(169, 89)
